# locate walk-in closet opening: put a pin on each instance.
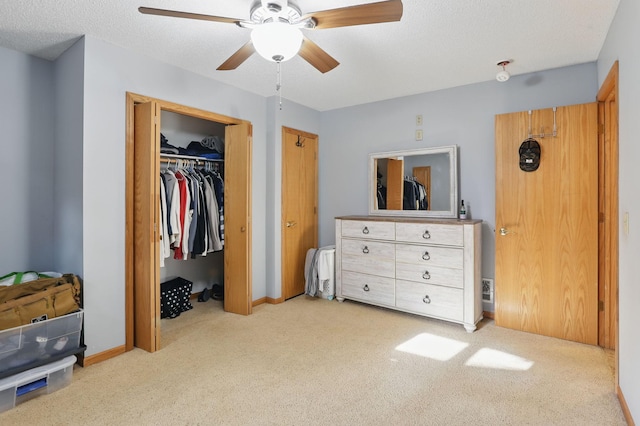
(201, 161)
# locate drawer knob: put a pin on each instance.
(366, 287)
(426, 275)
(365, 250)
(426, 235)
(426, 299)
(426, 256)
(365, 230)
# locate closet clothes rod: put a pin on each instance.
(168, 157)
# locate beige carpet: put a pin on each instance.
(315, 362)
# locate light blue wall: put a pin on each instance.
(26, 161)
(68, 76)
(621, 44)
(300, 118)
(462, 116)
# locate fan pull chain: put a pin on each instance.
(279, 82)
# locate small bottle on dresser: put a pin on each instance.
(463, 210)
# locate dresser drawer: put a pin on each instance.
(430, 274)
(429, 233)
(369, 257)
(432, 300)
(375, 230)
(430, 255)
(368, 288)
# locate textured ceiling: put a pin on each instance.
(438, 43)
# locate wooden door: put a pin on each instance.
(237, 219)
(299, 206)
(146, 241)
(547, 225)
(395, 184)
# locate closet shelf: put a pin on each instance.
(189, 157)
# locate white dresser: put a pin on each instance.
(422, 266)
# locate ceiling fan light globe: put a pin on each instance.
(276, 41)
(503, 76)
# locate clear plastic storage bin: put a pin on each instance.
(31, 345)
(38, 381)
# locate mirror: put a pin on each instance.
(420, 182)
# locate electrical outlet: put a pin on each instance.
(625, 223)
(487, 290)
(418, 135)
(418, 120)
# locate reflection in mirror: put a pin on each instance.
(414, 183)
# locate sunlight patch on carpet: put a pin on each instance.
(491, 358)
(431, 346)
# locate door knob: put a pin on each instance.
(504, 231)
(291, 224)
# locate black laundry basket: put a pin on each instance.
(174, 297)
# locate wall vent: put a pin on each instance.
(487, 290)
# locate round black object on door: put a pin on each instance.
(529, 155)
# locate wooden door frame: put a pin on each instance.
(131, 100)
(608, 207)
(282, 203)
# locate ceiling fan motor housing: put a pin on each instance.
(273, 11)
(273, 7)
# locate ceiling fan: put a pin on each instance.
(276, 26)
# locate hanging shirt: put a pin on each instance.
(219, 190)
(213, 212)
(182, 249)
(198, 241)
(195, 194)
(165, 248)
(173, 206)
(410, 198)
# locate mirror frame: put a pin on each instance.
(452, 150)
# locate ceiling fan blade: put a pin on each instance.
(187, 15)
(238, 58)
(317, 57)
(372, 13)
